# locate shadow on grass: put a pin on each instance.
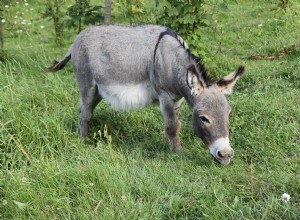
(140, 130)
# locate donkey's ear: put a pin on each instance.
(193, 81)
(227, 83)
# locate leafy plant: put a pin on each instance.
(188, 17)
(185, 17)
(83, 13)
(135, 11)
(54, 11)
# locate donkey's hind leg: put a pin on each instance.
(89, 98)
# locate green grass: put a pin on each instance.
(125, 170)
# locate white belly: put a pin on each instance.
(128, 96)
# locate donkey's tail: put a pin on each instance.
(58, 65)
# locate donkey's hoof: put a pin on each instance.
(176, 149)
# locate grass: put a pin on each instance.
(125, 170)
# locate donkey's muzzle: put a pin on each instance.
(221, 151)
(224, 156)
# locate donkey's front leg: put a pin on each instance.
(169, 111)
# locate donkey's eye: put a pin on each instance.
(204, 119)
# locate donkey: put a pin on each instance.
(133, 66)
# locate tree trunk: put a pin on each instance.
(1, 37)
(107, 11)
(1, 27)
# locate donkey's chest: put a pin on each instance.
(128, 96)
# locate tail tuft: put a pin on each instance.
(58, 65)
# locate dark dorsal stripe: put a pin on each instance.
(200, 66)
(162, 34)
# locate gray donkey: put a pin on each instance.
(134, 66)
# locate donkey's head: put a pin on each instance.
(211, 112)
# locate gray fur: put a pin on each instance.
(133, 66)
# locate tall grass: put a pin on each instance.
(125, 170)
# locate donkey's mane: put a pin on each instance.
(203, 73)
(207, 78)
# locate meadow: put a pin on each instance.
(124, 170)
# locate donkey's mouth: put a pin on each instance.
(223, 162)
(216, 160)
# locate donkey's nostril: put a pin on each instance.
(219, 154)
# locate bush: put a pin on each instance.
(185, 17)
(54, 11)
(83, 13)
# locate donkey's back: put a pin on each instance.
(116, 53)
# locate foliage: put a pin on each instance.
(55, 12)
(83, 13)
(188, 17)
(185, 17)
(134, 11)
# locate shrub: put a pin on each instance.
(54, 11)
(83, 13)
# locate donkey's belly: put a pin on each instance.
(128, 96)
